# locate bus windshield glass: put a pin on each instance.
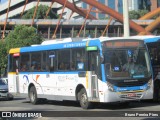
(127, 63)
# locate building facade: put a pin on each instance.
(149, 5)
(17, 6)
(113, 4)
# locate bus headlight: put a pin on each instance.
(149, 84)
(110, 87)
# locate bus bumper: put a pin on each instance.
(127, 96)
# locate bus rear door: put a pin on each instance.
(13, 78)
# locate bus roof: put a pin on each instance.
(146, 39)
(64, 40)
(62, 44)
(79, 42)
(14, 50)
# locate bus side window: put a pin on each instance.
(64, 62)
(24, 62)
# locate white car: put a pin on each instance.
(4, 91)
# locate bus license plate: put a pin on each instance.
(131, 95)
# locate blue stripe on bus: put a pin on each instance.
(95, 42)
(123, 89)
(53, 46)
(103, 73)
(74, 72)
(150, 40)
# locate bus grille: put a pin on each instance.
(129, 84)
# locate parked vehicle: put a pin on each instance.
(4, 91)
(5, 79)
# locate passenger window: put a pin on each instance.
(35, 61)
(64, 62)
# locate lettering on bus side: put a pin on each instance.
(67, 77)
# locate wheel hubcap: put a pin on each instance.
(84, 99)
(32, 96)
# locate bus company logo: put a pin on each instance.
(6, 114)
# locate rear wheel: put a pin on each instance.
(33, 95)
(83, 99)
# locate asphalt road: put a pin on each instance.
(144, 110)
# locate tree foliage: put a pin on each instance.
(3, 57)
(40, 14)
(134, 14)
(21, 36)
(137, 14)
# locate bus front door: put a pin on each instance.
(93, 63)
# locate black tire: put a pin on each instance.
(9, 97)
(83, 99)
(156, 96)
(33, 95)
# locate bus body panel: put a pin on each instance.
(12, 82)
(57, 84)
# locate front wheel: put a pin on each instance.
(83, 99)
(156, 97)
(33, 95)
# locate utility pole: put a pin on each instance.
(126, 19)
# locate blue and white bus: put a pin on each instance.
(84, 70)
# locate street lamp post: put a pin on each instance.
(126, 19)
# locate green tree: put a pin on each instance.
(3, 57)
(133, 14)
(22, 36)
(142, 12)
(40, 14)
(137, 14)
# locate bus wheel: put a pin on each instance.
(83, 99)
(33, 95)
(156, 97)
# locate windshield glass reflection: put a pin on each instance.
(127, 63)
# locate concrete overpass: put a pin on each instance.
(71, 27)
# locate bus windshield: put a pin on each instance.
(127, 63)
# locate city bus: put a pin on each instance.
(93, 70)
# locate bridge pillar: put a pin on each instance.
(95, 32)
(72, 32)
(60, 32)
(84, 31)
(49, 32)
